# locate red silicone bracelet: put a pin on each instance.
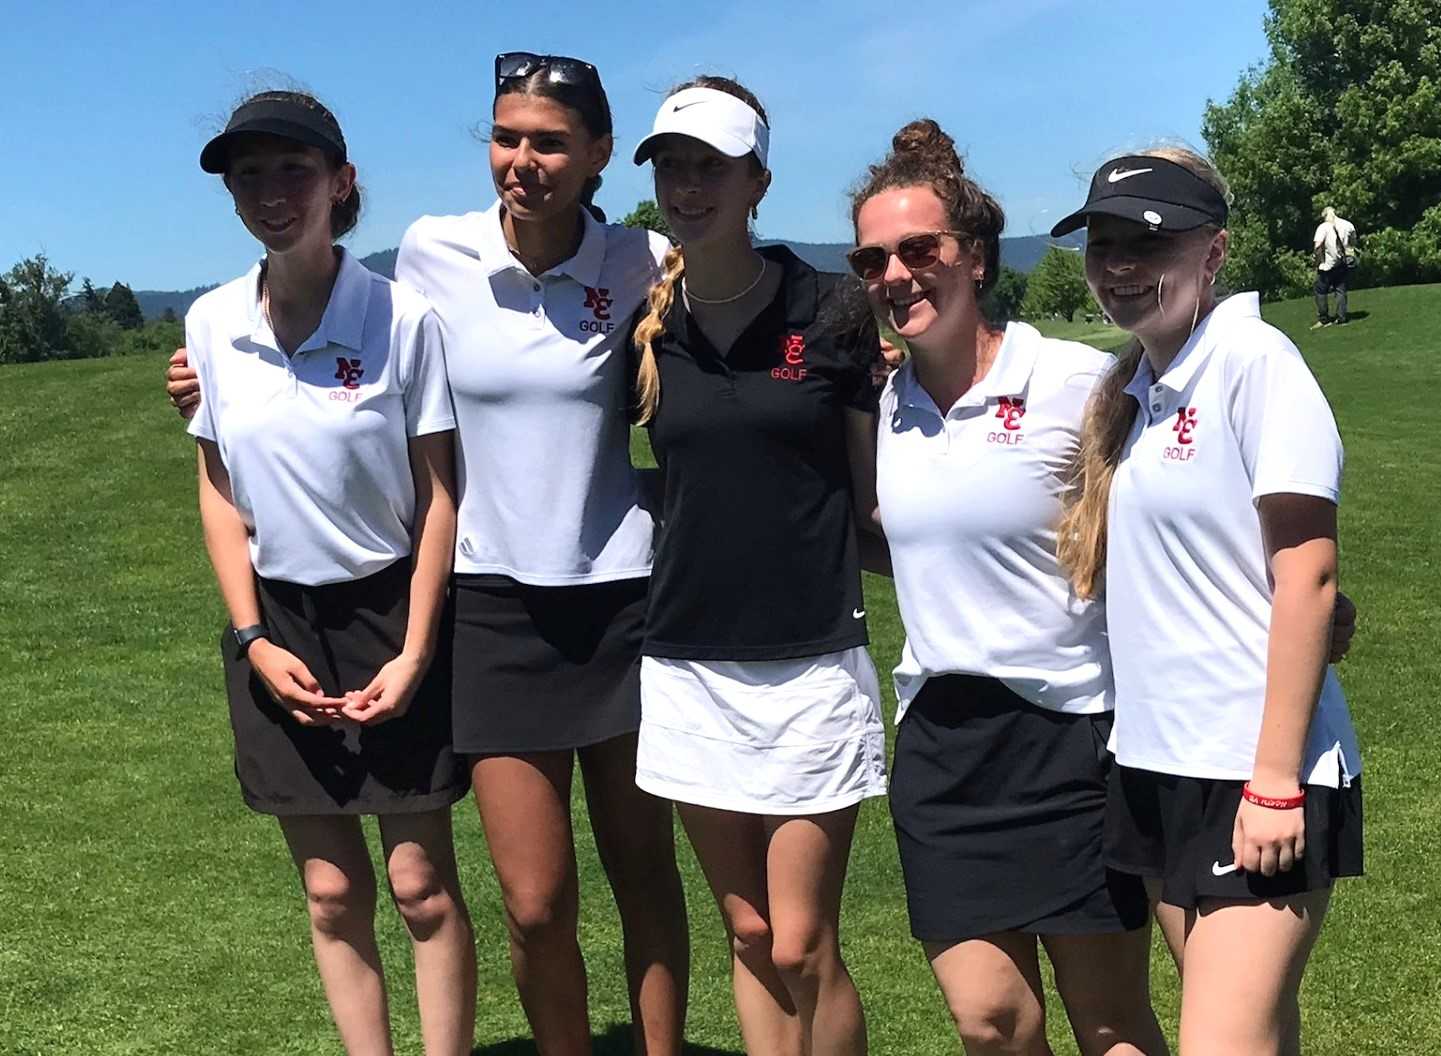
(1289, 803)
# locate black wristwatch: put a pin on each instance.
(245, 635)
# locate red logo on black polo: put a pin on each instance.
(793, 355)
(599, 301)
(348, 372)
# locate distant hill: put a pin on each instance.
(1021, 253)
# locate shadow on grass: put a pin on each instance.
(616, 1041)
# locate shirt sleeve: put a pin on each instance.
(407, 260)
(860, 348)
(428, 407)
(1287, 433)
(202, 423)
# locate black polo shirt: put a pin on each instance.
(757, 553)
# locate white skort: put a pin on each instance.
(785, 737)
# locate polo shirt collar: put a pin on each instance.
(584, 267)
(344, 320)
(1197, 349)
(1009, 375)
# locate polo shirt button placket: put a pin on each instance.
(1157, 397)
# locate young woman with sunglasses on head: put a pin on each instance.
(553, 547)
(326, 484)
(761, 714)
(1209, 476)
(998, 787)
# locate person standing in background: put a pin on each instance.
(1334, 245)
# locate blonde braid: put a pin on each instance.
(647, 379)
(1081, 535)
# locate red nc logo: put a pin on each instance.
(1185, 422)
(793, 347)
(1010, 412)
(348, 372)
(599, 301)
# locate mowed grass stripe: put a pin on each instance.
(146, 911)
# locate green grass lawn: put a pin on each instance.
(143, 909)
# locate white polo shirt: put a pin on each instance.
(542, 395)
(970, 501)
(1237, 415)
(1335, 239)
(317, 444)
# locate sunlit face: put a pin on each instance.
(925, 304)
(703, 193)
(1150, 281)
(541, 156)
(284, 190)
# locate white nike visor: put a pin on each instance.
(713, 117)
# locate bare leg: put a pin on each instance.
(805, 871)
(524, 803)
(420, 860)
(1244, 962)
(635, 839)
(731, 848)
(1105, 983)
(330, 853)
(993, 989)
(1175, 922)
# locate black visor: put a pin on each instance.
(275, 116)
(1161, 194)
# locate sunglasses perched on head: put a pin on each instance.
(917, 251)
(560, 69)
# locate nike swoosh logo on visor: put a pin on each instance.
(695, 102)
(1118, 175)
(1217, 869)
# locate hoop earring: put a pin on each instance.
(756, 212)
(1160, 284)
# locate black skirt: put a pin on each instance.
(1178, 830)
(545, 668)
(344, 633)
(999, 809)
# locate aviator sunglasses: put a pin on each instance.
(561, 69)
(915, 252)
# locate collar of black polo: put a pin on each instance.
(1156, 192)
(799, 293)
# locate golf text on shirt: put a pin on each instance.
(316, 444)
(542, 396)
(1235, 417)
(970, 500)
(757, 559)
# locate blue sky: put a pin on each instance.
(104, 106)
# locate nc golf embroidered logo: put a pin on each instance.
(1010, 410)
(348, 372)
(1184, 426)
(793, 352)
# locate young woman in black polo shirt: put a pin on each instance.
(760, 707)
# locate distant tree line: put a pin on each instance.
(41, 320)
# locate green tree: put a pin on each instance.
(90, 300)
(1003, 300)
(1057, 286)
(32, 314)
(647, 214)
(1345, 112)
(91, 335)
(122, 307)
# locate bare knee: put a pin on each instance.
(421, 897)
(750, 937)
(538, 918)
(800, 953)
(990, 1023)
(339, 904)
